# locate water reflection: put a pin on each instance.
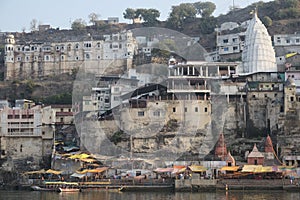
(115, 195)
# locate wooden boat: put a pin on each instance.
(38, 188)
(69, 189)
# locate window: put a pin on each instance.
(156, 113)
(297, 40)
(196, 109)
(141, 113)
(174, 109)
(185, 109)
(287, 41)
(205, 109)
(235, 48)
(225, 41)
(116, 89)
(87, 56)
(226, 49)
(292, 98)
(77, 46)
(116, 98)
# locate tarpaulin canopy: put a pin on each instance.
(258, 168)
(264, 169)
(178, 169)
(250, 168)
(163, 170)
(51, 171)
(42, 171)
(230, 168)
(80, 156)
(78, 175)
(88, 160)
(197, 168)
(97, 170)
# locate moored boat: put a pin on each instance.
(38, 188)
(69, 189)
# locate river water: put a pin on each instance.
(115, 195)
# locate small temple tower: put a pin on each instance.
(255, 157)
(221, 149)
(258, 54)
(269, 151)
(230, 161)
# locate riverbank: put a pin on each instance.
(236, 184)
(177, 185)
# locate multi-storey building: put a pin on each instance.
(25, 141)
(63, 114)
(34, 60)
(287, 39)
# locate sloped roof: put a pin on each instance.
(255, 153)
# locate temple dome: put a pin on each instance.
(258, 54)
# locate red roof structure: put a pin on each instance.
(221, 149)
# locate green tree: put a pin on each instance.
(93, 18)
(150, 16)
(33, 25)
(129, 14)
(267, 21)
(207, 25)
(183, 13)
(205, 9)
(78, 24)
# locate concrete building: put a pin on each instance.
(63, 114)
(230, 43)
(35, 60)
(287, 39)
(108, 93)
(24, 140)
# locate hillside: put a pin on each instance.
(285, 20)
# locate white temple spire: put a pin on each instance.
(258, 54)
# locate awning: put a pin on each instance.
(230, 168)
(51, 171)
(88, 160)
(97, 170)
(197, 168)
(163, 170)
(80, 156)
(42, 171)
(178, 169)
(78, 175)
(251, 168)
(265, 169)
